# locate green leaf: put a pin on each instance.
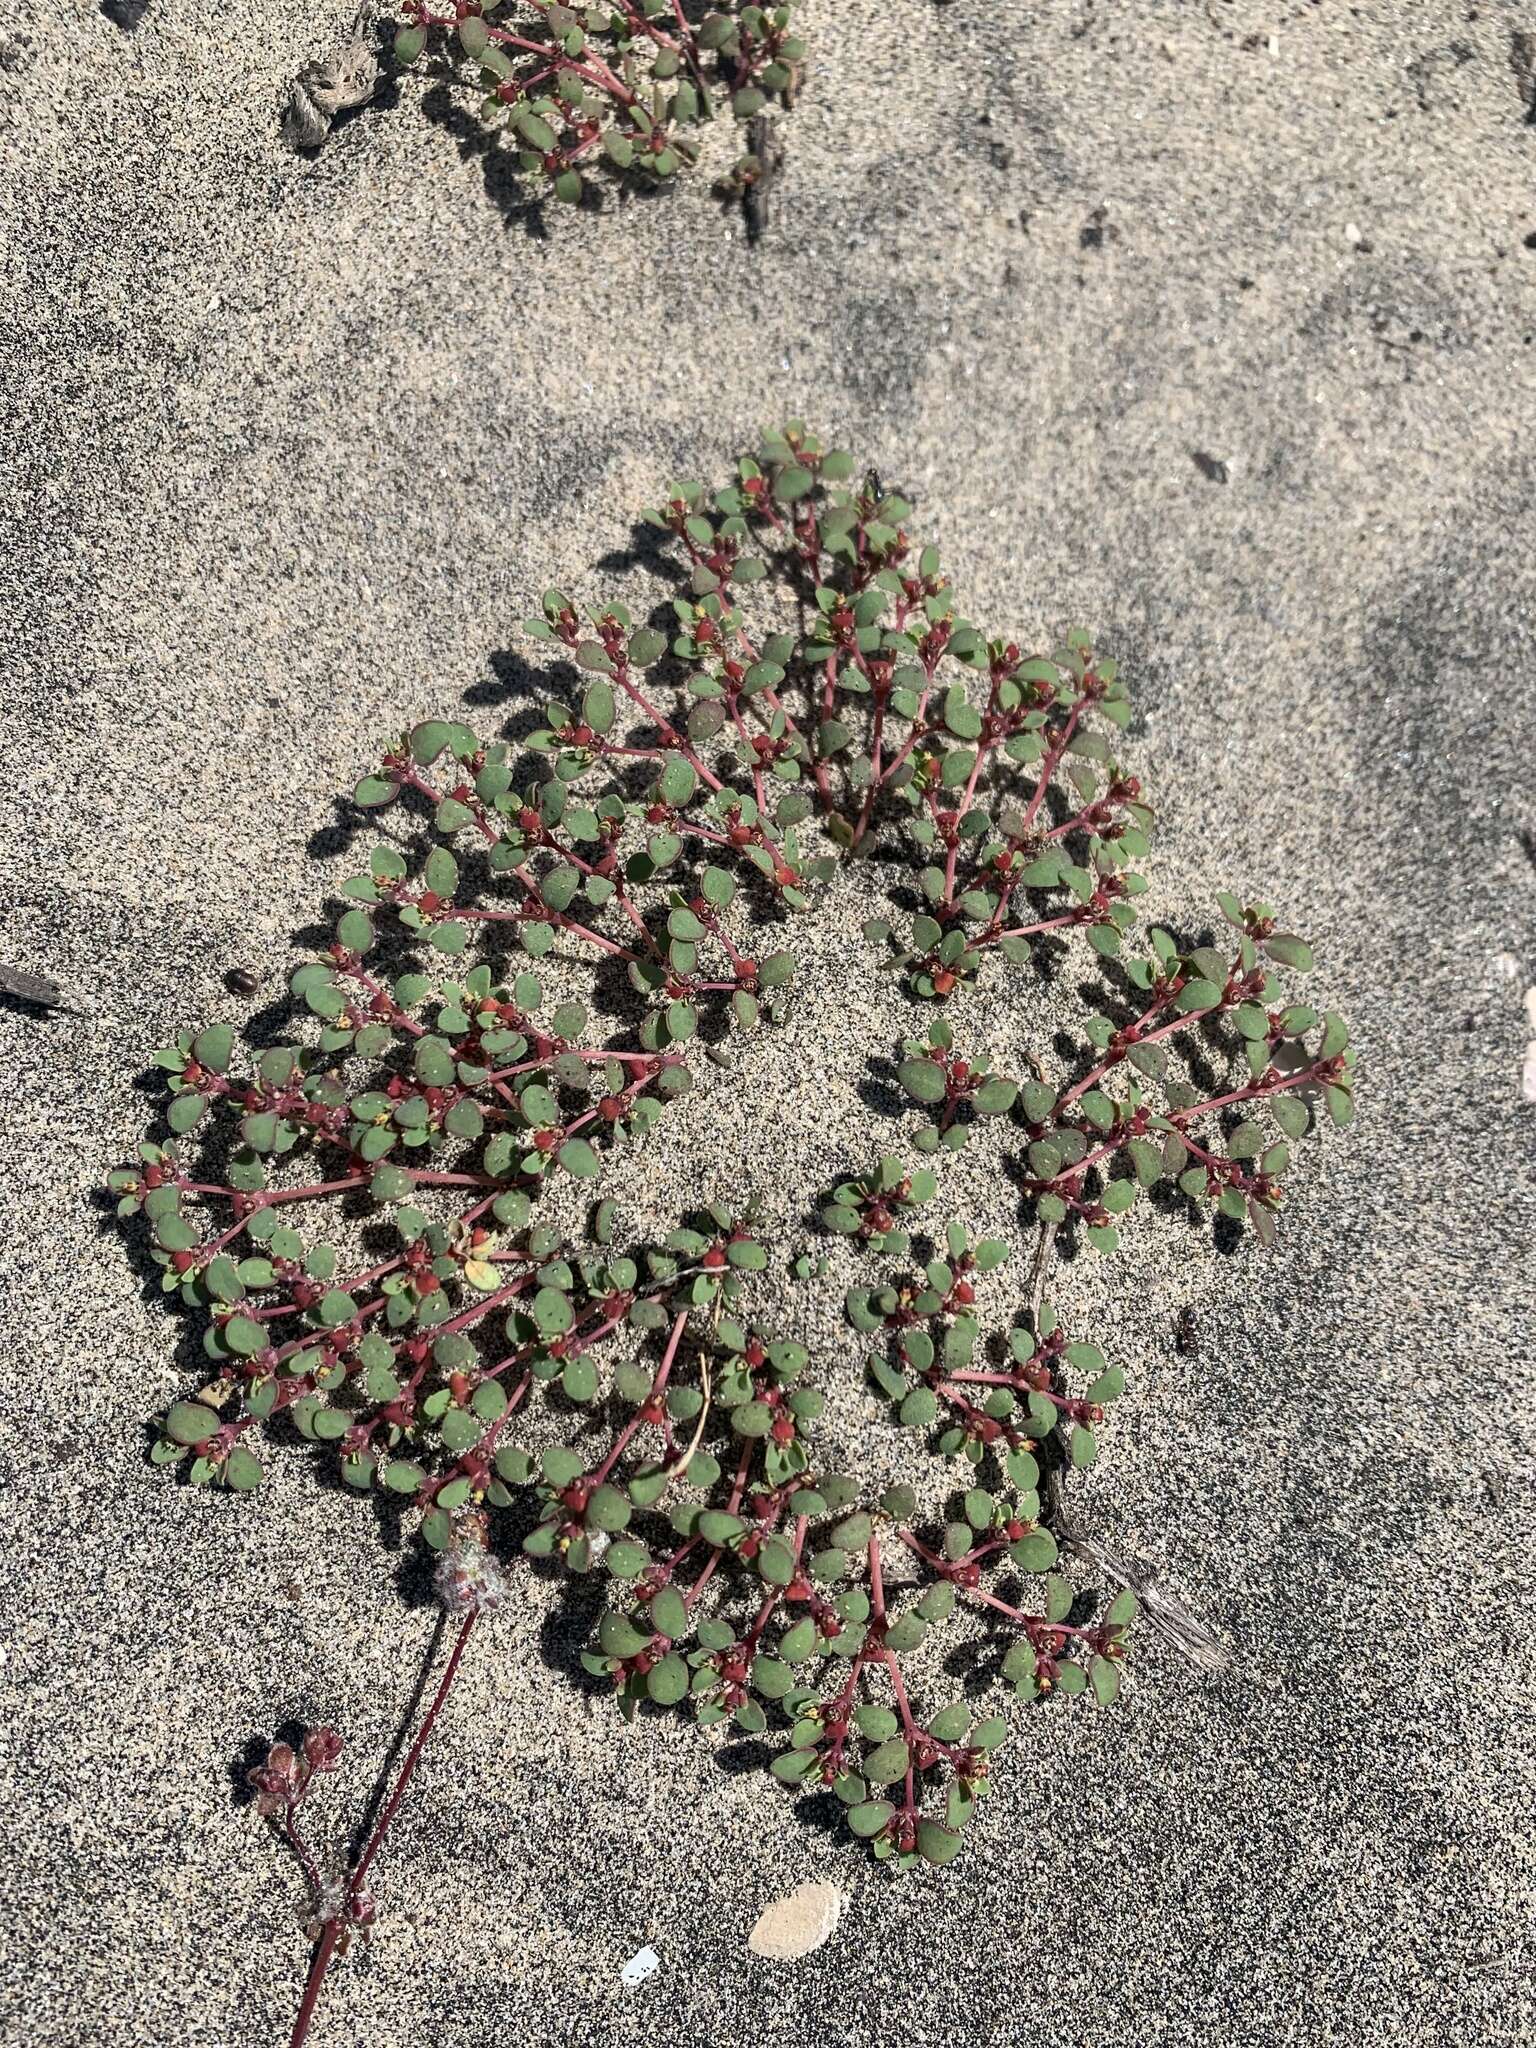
(919, 1409)
(243, 1470)
(937, 1844)
(1104, 1677)
(887, 1762)
(870, 1818)
(190, 1422)
(609, 1511)
(798, 1642)
(184, 1111)
(214, 1047)
(923, 1079)
(1341, 1105)
(794, 1766)
(1289, 951)
(1034, 1552)
(619, 1636)
(535, 131)
(578, 1159)
(678, 781)
(793, 481)
(579, 1378)
(669, 1614)
(1198, 994)
(771, 1678)
(1290, 1113)
(668, 1680)
(433, 1062)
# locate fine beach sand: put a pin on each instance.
(291, 447)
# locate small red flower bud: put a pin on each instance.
(322, 1749)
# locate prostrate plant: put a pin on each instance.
(618, 85)
(375, 1225)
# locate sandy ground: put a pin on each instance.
(291, 448)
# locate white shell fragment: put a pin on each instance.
(791, 1927)
(642, 1964)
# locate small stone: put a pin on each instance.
(1352, 235)
(1530, 1009)
(1528, 1073)
(791, 1927)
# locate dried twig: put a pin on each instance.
(1172, 1620)
(1522, 61)
(1044, 1252)
(767, 154)
(28, 987)
(1169, 1617)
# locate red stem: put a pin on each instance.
(331, 1931)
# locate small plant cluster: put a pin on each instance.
(373, 1225)
(622, 85)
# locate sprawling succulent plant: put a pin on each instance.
(372, 1224)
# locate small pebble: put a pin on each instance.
(791, 1927)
